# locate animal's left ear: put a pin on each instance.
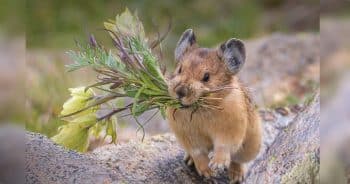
(185, 44)
(232, 52)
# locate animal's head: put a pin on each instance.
(201, 69)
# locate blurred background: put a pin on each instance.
(335, 89)
(12, 61)
(12, 87)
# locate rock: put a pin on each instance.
(295, 153)
(282, 110)
(47, 162)
(289, 149)
(280, 65)
(11, 153)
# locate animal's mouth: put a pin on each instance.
(187, 103)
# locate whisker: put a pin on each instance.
(219, 89)
(211, 98)
(212, 107)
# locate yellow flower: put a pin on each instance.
(79, 100)
(75, 134)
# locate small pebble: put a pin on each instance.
(267, 116)
(282, 110)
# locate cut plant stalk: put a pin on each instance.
(129, 71)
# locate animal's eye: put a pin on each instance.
(180, 69)
(206, 77)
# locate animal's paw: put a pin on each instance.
(204, 170)
(219, 162)
(236, 173)
(236, 177)
(188, 159)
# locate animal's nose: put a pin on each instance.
(181, 92)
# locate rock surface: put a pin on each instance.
(281, 65)
(291, 145)
(294, 156)
(47, 162)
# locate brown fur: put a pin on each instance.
(233, 133)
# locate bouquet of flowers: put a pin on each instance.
(130, 70)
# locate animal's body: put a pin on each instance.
(229, 127)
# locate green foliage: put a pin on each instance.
(12, 14)
(139, 78)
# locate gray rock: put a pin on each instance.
(11, 153)
(294, 155)
(47, 162)
(279, 64)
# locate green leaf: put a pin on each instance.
(130, 90)
(112, 129)
(135, 107)
(163, 111)
(153, 67)
(147, 80)
(129, 24)
(140, 108)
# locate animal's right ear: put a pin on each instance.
(233, 54)
(185, 44)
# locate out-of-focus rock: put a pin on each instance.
(11, 153)
(282, 65)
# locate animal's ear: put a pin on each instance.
(186, 43)
(232, 52)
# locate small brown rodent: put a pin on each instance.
(232, 134)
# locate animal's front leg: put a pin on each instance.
(220, 158)
(201, 162)
(226, 143)
(188, 159)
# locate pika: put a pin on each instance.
(213, 139)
